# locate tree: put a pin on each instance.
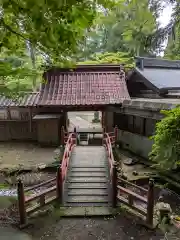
(173, 32)
(130, 26)
(52, 29)
(166, 148)
(112, 58)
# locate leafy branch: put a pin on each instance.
(166, 148)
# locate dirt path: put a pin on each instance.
(120, 228)
(24, 153)
(9, 233)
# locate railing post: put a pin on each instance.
(114, 185)
(150, 203)
(21, 203)
(42, 200)
(130, 200)
(75, 133)
(68, 122)
(62, 135)
(116, 133)
(59, 184)
(104, 129)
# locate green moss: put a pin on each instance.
(7, 201)
(4, 186)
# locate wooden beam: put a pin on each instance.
(138, 112)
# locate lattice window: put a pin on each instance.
(15, 114)
(3, 114)
(24, 115)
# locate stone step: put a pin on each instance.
(88, 169)
(87, 174)
(87, 199)
(87, 204)
(87, 185)
(88, 192)
(87, 179)
(87, 211)
(88, 166)
(77, 180)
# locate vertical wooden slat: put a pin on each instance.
(21, 203)
(8, 113)
(130, 200)
(116, 133)
(42, 200)
(62, 135)
(30, 120)
(150, 204)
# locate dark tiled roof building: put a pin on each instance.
(155, 77)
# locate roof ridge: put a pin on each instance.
(145, 62)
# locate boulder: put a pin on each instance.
(163, 210)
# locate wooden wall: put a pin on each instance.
(18, 130)
(135, 124)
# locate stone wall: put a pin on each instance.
(137, 144)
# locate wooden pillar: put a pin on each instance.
(116, 133)
(114, 185)
(30, 120)
(108, 121)
(21, 203)
(150, 203)
(65, 121)
(62, 135)
(8, 114)
(102, 119)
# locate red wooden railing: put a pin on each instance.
(124, 191)
(70, 141)
(109, 140)
(137, 198)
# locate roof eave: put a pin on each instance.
(147, 82)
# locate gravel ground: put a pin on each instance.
(120, 228)
(26, 154)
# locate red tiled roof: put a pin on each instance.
(83, 88)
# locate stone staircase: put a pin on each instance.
(83, 138)
(87, 183)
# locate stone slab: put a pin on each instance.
(87, 185)
(88, 174)
(80, 180)
(94, 199)
(95, 192)
(88, 169)
(87, 211)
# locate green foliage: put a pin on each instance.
(30, 28)
(130, 26)
(112, 58)
(173, 30)
(166, 148)
(16, 76)
(53, 27)
(173, 48)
